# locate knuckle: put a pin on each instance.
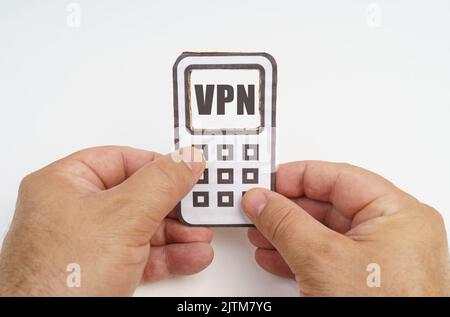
(280, 223)
(168, 181)
(345, 165)
(127, 204)
(163, 189)
(429, 222)
(434, 216)
(139, 225)
(132, 215)
(27, 182)
(119, 200)
(323, 249)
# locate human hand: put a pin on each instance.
(105, 209)
(329, 221)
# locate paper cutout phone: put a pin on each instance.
(224, 103)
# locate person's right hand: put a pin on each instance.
(329, 222)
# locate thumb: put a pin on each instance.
(291, 230)
(156, 188)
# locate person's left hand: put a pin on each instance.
(105, 209)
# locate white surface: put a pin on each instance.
(377, 97)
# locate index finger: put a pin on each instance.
(105, 166)
(348, 188)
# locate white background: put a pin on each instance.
(378, 97)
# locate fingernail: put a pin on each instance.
(192, 156)
(255, 201)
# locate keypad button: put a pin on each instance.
(200, 199)
(225, 199)
(225, 152)
(204, 179)
(250, 176)
(204, 148)
(250, 152)
(225, 176)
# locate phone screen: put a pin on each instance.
(225, 99)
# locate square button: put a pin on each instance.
(224, 176)
(224, 152)
(204, 148)
(200, 199)
(204, 179)
(250, 176)
(225, 199)
(250, 152)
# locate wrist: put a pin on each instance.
(19, 277)
(30, 271)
